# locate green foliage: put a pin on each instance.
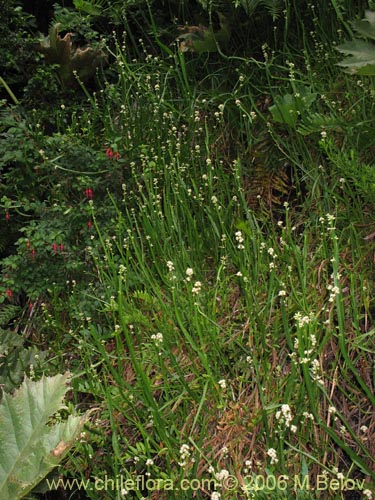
(202, 39)
(93, 8)
(150, 216)
(15, 359)
(31, 445)
(17, 55)
(73, 62)
(360, 54)
(290, 108)
(347, 166)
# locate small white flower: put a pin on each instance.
(239, 237)
(271, 252)
(196, 288)
(189, 273)
(272, 453)
(170, 266)
(157, 338)
(222, 475)
(184, 455)
(222, 383)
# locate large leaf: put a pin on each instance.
(288, 108)
(361, 57)
(360, 54)
(29, 447)
(366, 27)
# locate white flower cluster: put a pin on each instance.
(189, 273)
(170, 266)
(215, 495)
(272, 453)
(302, 320)
(184, 455)
(222, 475)
(333, 291)
(328, 219)
(240, 239)
(315, 371)
(157, 338)
(223, 384)
(285, 415)
(196, 288)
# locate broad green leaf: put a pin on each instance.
(361, 57)
(366, 27)
(29, 447)
(284, 110)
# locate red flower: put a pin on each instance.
(89, 224)
(9, 293)
(89, 193)
(33, 253)
(111, 154)
(28, 244)
(54, 247)
(7, 216)
(61, 247)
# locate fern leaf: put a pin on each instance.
(7, 313)
(316, 122)
(274, 7)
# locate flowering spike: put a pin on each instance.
(89, 224)
(54, 247)
(61, 247)
(109, 153)
(9, 293)
(7, 216)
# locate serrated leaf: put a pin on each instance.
(366, 27)
(361, 57)
(29, 447)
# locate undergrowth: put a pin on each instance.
(193, 240)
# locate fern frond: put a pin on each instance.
(91, 7)
(274, 7)
(266, 187)
(316, 122)
(7, 313)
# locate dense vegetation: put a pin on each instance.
(187, 233)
